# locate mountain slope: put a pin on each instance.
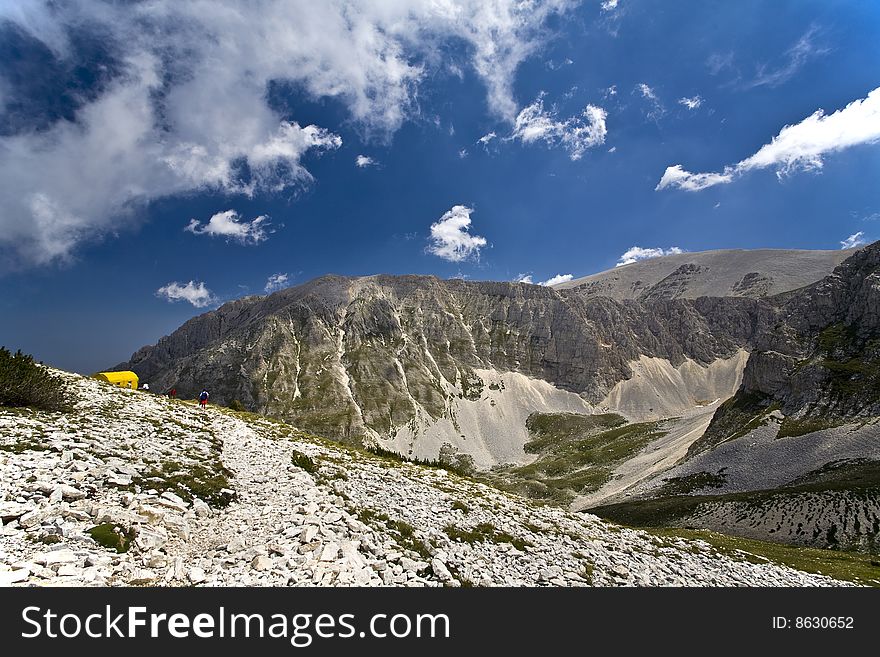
(210, 497)
(732, 272)
(419, 361)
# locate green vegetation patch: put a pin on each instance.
(577, 454)
(689, 483)
(24, 383)
(738, 416)
(793, 427)
(484, 532)
(210, 484)
(303, 462)
(849, 566)
(112, 537)
(24, 445)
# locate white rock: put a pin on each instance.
(440, 570)
(14, 576)
(56, 556)
(330, 552)
(149, 538)
(308, 534)
(196, 575)
(69, 570)
(201, 509)
(261, 563)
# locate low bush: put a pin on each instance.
(23, 382)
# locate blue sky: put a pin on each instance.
(124, 125)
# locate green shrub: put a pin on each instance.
(25, 383)
(112, 537)
(303, 462)
(237, 406)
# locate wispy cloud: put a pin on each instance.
(450, 237)
(192, 292)
(363, 161)
(610, 5)
(655, 106)
(805, 49)
(276, 282)
(636, 253)
(485, 139)
(854, 240)
(575, 134)
(228, 224)
(798, 147)
(524, 278)
(691, 103)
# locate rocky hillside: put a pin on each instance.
(794, 456)
(753, 273)
(130, 488)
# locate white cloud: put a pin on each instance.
(463, 153)
(609, 92)
(363, 161)
(195, 293)
(676, 176)
(656, 110)
(636, 253)
(691, 103)
(524, 278)
(798, 147)
(190, 111)
(276, 282)
(854, 240)
(610, 5)
(450, 238)
(575, 134)
(556, 280)
(646, 91)
(613, 149)
(485, 139)
(228, 224)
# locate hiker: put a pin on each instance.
(146, 387)
(172, 393)
(203, 398)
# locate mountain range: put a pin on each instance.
(693, 377)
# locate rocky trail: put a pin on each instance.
(182, 496)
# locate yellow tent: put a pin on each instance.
(121, 379)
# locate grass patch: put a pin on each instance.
(577, 454)
(484, 532)
(112, 537)
(188, 481)
(689, 483)
(27, 444)
(460, 506)
(792, 427)
(738, 416)
(849, 566)
(303, 462)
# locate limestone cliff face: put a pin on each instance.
(823, 358)
(356, 358)
(352, 357)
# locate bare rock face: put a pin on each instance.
(362, 358)
(350, 357)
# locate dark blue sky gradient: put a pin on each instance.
(540, 212)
